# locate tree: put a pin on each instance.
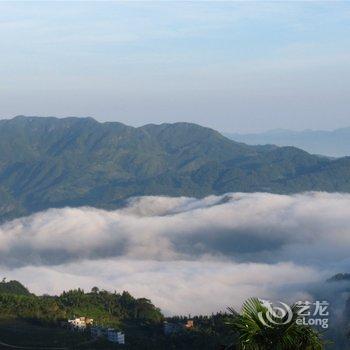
(94, 290)
(255, 334)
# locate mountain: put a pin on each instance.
(51, 162)
(339, 277)
(40, 322)
(17, 301)
(13, 287)
(334, 143)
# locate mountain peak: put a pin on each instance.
(13, 287)
(52, 162)
(339, 277)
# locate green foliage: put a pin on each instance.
(27, 334)
(39, 317)
(110, 309)
(31, 320)
(50, 162)
(256, 335)
(13, 287)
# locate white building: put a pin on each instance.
(121, 338)
(80, 323)
(110, 333)
(115, 337)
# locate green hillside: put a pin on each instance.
(50, 162)
(109, 309)
(31, 321)
(34, 322)
(13, 287)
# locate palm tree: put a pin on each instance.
(283, 333)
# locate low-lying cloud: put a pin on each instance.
(186, 254)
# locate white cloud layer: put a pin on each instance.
(187, 255)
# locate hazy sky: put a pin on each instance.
(235, 66)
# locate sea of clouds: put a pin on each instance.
(187, 255)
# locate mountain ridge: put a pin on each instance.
(54, 162)
(333, 143)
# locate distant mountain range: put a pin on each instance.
(334, 143)
(51, 162)
(339, 277)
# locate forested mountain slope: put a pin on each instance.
(51, 162)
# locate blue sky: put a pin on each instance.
(234, 66)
